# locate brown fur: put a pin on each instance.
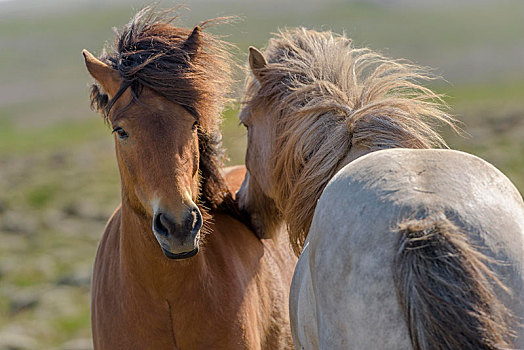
(445, 288)
(153, 54)
(233, 294)
(325, 98)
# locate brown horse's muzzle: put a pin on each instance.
(178, 239)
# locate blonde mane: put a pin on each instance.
(325, 97)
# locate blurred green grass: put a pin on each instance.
(17, 140)
(58, 178)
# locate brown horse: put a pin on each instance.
(158, 282)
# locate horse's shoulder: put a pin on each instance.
(241, 243)
(227, 230)
(110, 241)
(113, 224)
(114, 219)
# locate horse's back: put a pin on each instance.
(353, 239)
(234, 175)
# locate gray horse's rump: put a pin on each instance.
(348, 269)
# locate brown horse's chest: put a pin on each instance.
(125, 315)
(129, 314)
(213, 321)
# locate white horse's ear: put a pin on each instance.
(256, 62)
(106, 76)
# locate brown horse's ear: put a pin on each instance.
(192, 43)
(106, 76)
(256, 62)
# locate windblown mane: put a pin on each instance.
(327, 97)
(152, 53)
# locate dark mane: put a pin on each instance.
(196, 74)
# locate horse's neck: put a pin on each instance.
(142, 261)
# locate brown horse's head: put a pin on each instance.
(163, 91)
(157, 151)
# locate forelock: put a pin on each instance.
(151, 52)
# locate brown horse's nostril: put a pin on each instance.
(162, 224)
(191, 224)
(197, 221)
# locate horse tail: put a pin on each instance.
(446, 289)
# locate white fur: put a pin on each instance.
(343, 296)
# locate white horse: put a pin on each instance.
(402, 246)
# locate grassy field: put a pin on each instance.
(58, 177)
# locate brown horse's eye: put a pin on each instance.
(122, 134)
